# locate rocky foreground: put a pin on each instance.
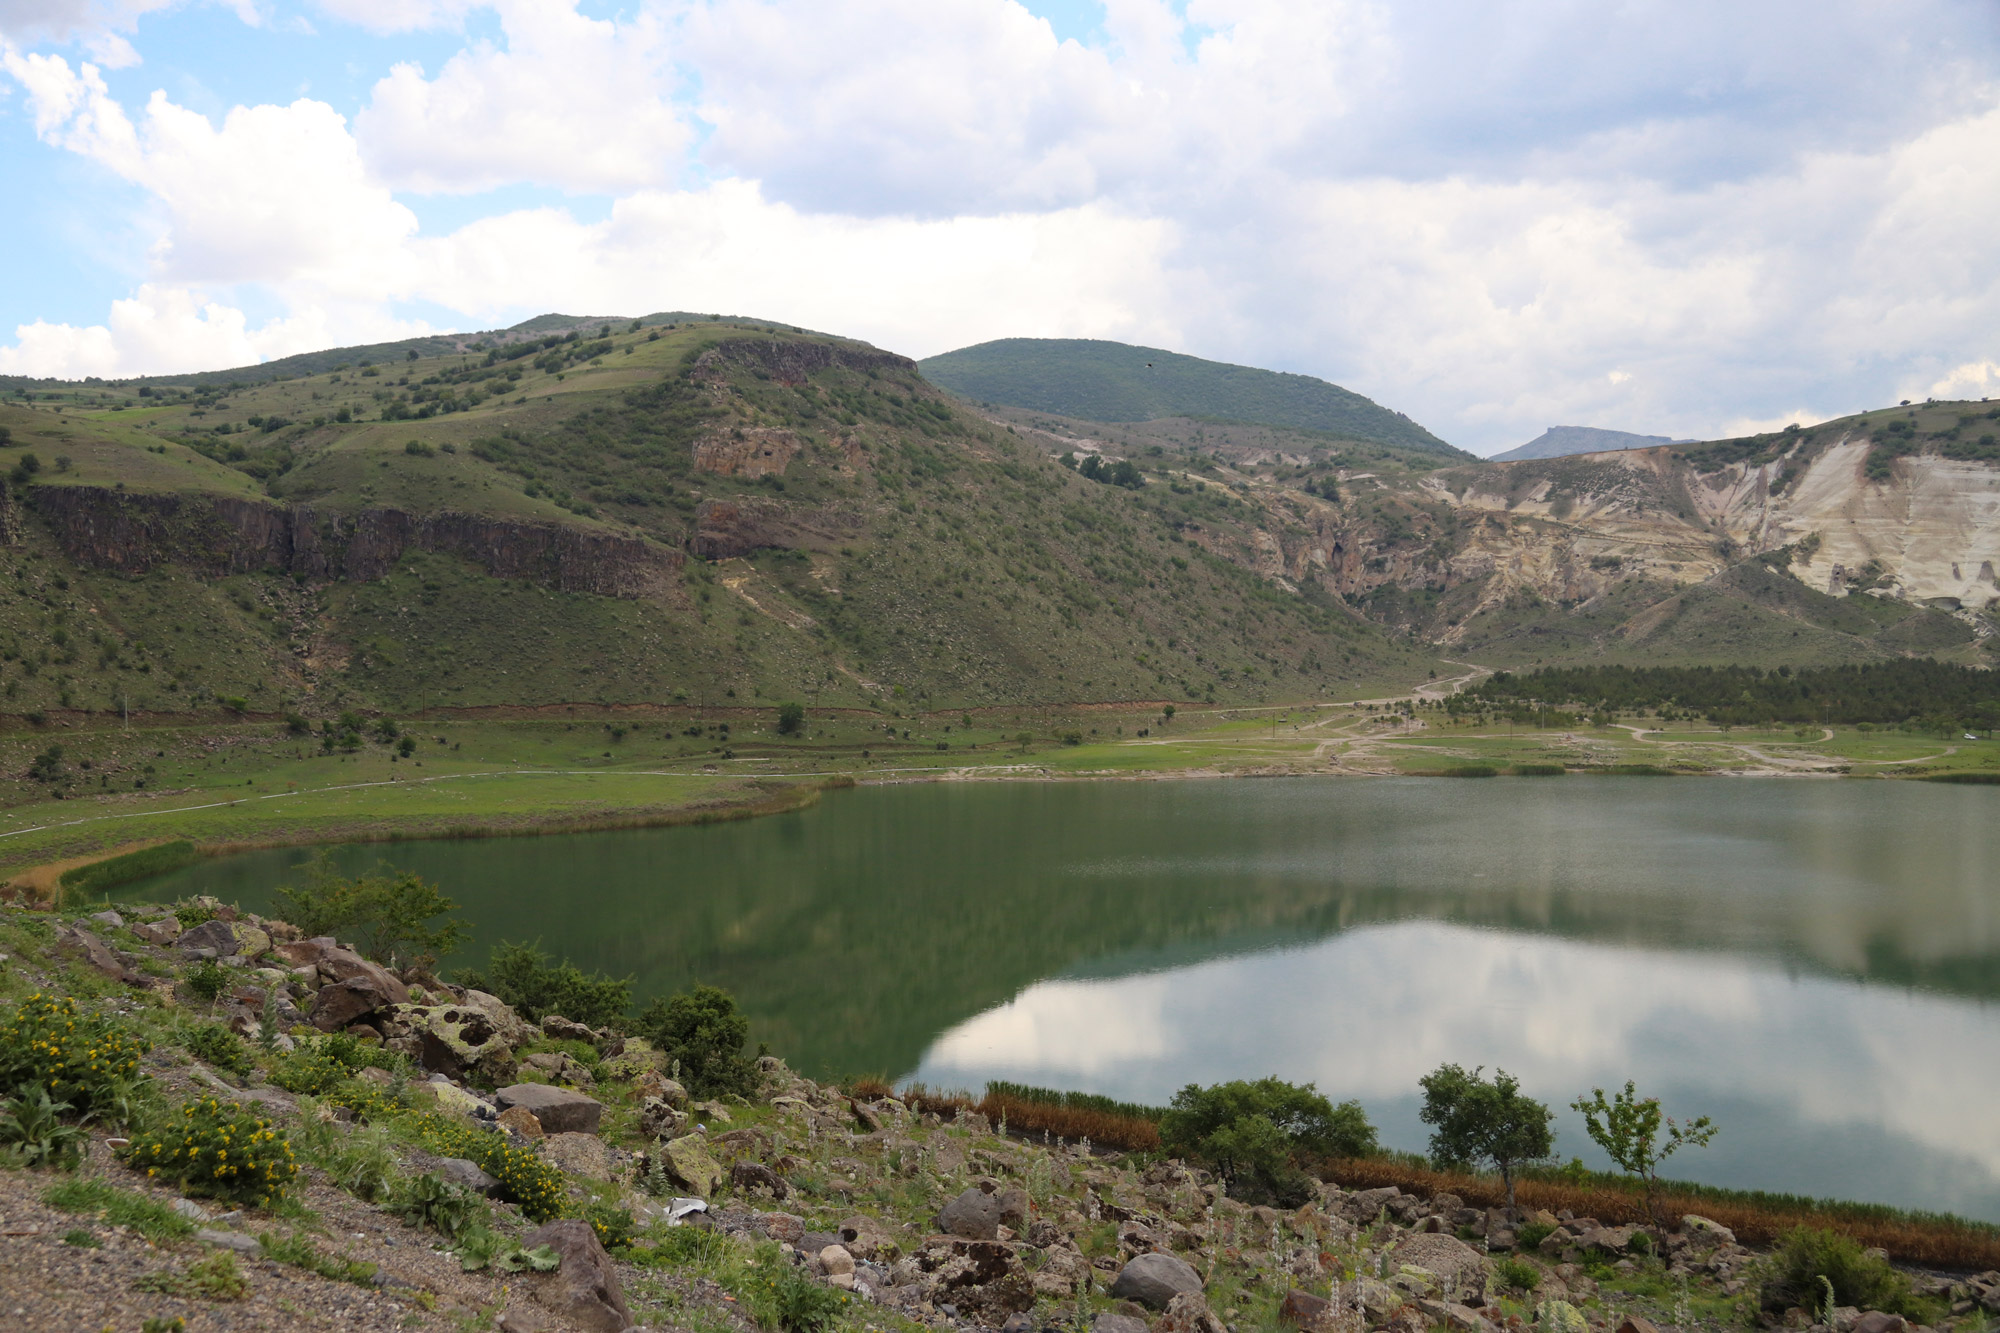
(800, 1208)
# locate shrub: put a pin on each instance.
(1253, 1134)
(206, 980)
(702, 1030)
(1517, 1274)
(218, 1046)
(32, 1132)
(525, 1179)
(390, 915)
(310, 1071)
(612, 1224)
(791, 719)
(359, 1160)
(85, 1060)
(783, 1297)
(217, 1148)
(1858, 1278)
(522, 975)
(429, 1201)
(1533, 1234)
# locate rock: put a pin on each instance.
(1301, 1308)
(191, 1210)
(560, 1067)
(562, 1029)
(522, 1121)
(579, 1154)
(338, 964)
(1155, 1279)
(305, 953)
(164, 931)
(1878, 1321)
(1117, 1323)
(658, 1120)
(585, 1289)
(228, 1240)
(110, 920)
(650, 1083)
(1451, 1315)
(560, 1111)
(337, 1007)
(512, 1028)
(467, 1175)
(1013, 1207)
(689, 1165)
(1018, 1322)
(451, 1097)
(82, 944)
(1560, 1317)
(1701, 1229)
(973, 1215)
(213, 933)
(713, 1112)
(785, 1228)
(1460, 1269)
(453, 1039)
(748, 1176)
(836, 1260)
(524, 1320)
(1377, 1300)
(1188, 1312)
(1636, 1324)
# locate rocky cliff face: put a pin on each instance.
(1571, 530)
(726, 528)
(133, 532)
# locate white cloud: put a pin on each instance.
(1974, 379)
(1494, 219)
(571, 101)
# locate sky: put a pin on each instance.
(1683, 218)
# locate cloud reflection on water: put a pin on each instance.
(1811, 1067)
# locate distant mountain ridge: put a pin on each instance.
(1561, 441)
(1096, 380)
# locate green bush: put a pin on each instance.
(428, 1201)
(388, 914)
(522, 975)
(218, 1046)
(310, 1071)
(32, 1132)
(1533, 1234)
(217, 1148)
(86, 1060)
(1517, 1274)
(613, 1224)
(525, 1179)
(1808, 1254)
(702, 1030)
(781, 1296)
(206, 980)
(1255, 1135)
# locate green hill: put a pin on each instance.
(1108, 381)
(711, 513)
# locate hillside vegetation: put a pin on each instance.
(1109, 381)
(711, 514)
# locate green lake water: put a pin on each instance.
(1815, 964)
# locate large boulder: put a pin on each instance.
(344, 1003)
(559, 1110)
(164, 931)
(973, 1215)
(1154, 1280)
(454, 1039)
(213, 938)
(1188, 1312)
(1460, 1269)
(585, 1289)
(689, 1165)
(579, 1155)
(338, 964)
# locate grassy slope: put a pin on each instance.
(1108, 381)
(978, 572)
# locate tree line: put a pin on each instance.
(1908, 690)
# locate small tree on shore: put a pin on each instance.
(1477, 1120)
(791, 719)
(1629, 1129)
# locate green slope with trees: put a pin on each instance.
(1096, 380)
